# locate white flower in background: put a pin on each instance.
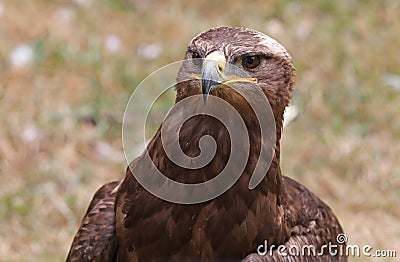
(392, 80)
(31, 133)
(113, 43)
(150, 52)
(21, 56)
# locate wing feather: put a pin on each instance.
(95, 239)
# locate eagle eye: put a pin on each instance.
(251, 62)
(197, 59)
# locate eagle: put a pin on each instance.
(272, 220)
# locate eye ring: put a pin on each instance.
(197, 59)
(251, 62)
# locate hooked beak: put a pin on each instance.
(213, 75)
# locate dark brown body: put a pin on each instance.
(307, 226)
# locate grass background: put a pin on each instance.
(61, 111)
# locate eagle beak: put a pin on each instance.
(212, 75)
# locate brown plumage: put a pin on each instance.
(124, 222)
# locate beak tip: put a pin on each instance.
(205, 98)
(206, 89)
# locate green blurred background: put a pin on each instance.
(67, 69)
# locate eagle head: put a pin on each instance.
(223, 57)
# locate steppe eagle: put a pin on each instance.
(124, 222)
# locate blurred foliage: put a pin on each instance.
(61, 111)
